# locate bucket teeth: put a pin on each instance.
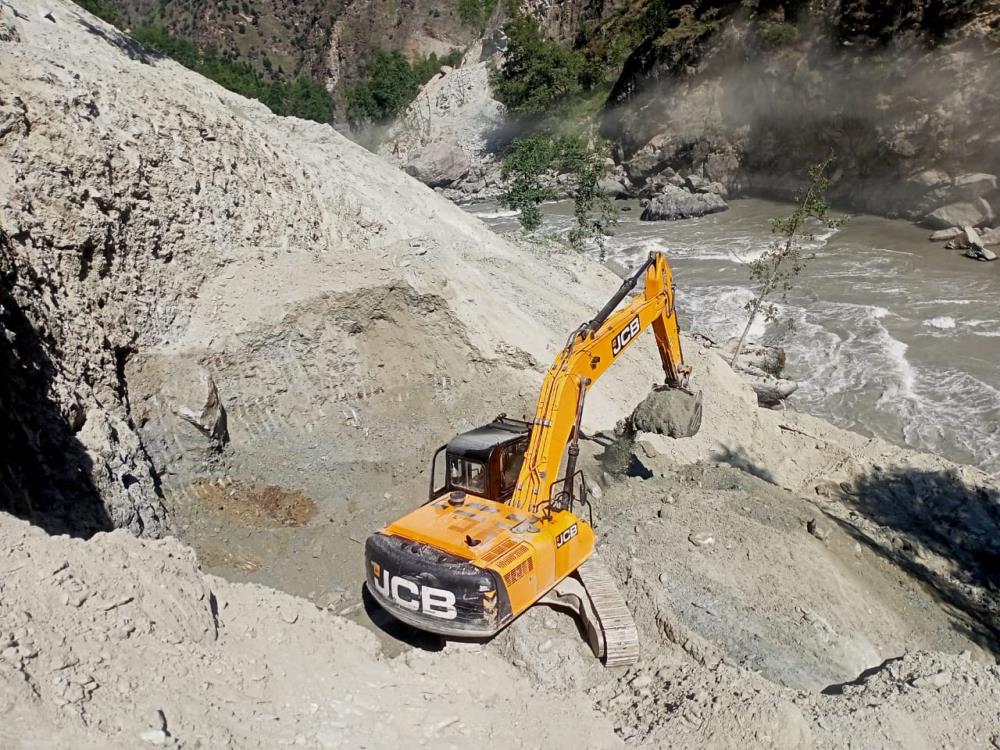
(621, 638)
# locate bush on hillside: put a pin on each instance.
(390, 83)
(301, 97)
(538, 74)
(476, 13)
(100, 8)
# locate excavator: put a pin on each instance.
(500, 530)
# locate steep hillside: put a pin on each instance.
(167, 244)
(329, 40)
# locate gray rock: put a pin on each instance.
(613, 187)
(670, 412)
(721, 167)
(438, 164)
(674, 203)
(817, 529)
(935, 681)
(929, 179)
(769, 359)
(990, 237)
(965, 213)
(771, 391)
(975, 185)
(701, 539)
(121, 473)
(696, 183)
(977, 250)
(943, 235)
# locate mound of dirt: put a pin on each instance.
(122, 643)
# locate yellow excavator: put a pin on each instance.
(498, 532)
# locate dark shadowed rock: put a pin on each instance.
(675, 203)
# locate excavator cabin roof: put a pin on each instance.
(478, 444)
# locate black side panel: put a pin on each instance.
(433, 590)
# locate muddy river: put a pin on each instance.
(886, 332)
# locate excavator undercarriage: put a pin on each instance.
(501, 531)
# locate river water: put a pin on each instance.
(886, 332)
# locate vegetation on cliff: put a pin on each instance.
(300, 97)
(390, 83)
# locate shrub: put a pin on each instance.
(528, 158)
(537, 73)
(390, 83)
(778, 34)
(302, 97)
(476, 13)
(102, 9)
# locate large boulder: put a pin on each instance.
(973, 213)
(612, 186)
(676, 203)
(975, 185)
(668, 411)
(438, 164)
(977, 249)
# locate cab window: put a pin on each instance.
(511, 460)
(467, 475)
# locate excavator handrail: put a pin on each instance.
(627, 286)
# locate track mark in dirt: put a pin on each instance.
(252, 505)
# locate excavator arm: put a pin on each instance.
(588, 354)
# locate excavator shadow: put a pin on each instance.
(397, 630)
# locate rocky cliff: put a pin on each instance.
(748, 98)
(330, 40)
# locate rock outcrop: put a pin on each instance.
(453, 114)
(676, 203)
(725, 97)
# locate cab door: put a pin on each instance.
(511, 457)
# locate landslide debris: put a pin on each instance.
(796, 585)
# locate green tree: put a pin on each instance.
(390, 83)
(530, 158)
(476, 13)
(537, 73)
(775, 271)
(102, 9)
(301, 97)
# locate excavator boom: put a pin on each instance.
(588, 354)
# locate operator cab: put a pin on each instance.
(485, 461)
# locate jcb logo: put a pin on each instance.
(566, 535)
(412, 596)
(627, 334)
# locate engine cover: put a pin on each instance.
(434, 590)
